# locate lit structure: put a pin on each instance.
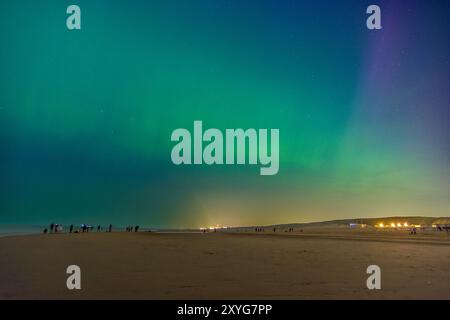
(396, 225)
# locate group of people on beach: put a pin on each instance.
(54, 228)
(58, 228)
(131, 228)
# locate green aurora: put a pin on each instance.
(86, 116)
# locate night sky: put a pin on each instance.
(86, 116)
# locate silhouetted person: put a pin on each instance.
(136, 229)
(45, 231)
(99, 228)
(51, 227)
(110, 228)
(71, 228)
(274, 229)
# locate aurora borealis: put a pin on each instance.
(86, 115)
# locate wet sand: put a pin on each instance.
(314, 264)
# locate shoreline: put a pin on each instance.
(324, 233)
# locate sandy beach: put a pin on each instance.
(314, 264)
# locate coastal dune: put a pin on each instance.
(224, 265)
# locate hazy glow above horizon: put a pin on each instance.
(86, 116)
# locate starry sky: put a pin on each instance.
(86, 115)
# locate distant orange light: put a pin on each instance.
(393, 225)
(381, 225)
